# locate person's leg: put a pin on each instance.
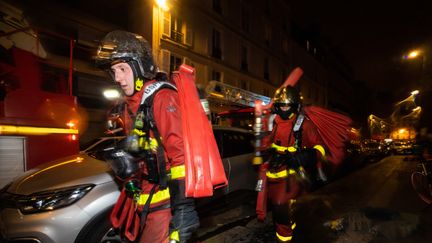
(156, 229)
(281, 196)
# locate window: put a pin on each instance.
(217, 6)
(216, 44)
(176, 29)
(245, 21)
(216, 75)
(266, 69)
(267, 34)
(175, 62)
(243, 85)
(244, 58)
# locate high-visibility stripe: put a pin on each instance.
(178, 172)
(293, 226)
(175, 236)
(320, 148)
(25, 130)
(157, 197)
(280, 174)
(283, 238)
(283, 148)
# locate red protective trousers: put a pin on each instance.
(282, 192)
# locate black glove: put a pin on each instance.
(307, 158)
(185, 218)
(276, 159)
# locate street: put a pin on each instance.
(373, 204)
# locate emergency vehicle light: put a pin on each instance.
(24, 130)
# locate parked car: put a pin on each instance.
(69, 200)
(372, 150)
(402, 147)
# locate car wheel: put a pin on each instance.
(99, 230)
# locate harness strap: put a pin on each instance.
(298, 131)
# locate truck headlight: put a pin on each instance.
(53, 199)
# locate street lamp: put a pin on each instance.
(162, 4)
(419, 54)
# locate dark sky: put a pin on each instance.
(372, 36)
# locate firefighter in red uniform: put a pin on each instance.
(150, 162)
(295, 151)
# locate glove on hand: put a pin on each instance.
(306, 158)
(277, 160)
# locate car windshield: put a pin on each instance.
(96, 149)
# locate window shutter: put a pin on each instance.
(166, 24)
(165, 57)
(189, 36)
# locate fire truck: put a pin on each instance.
(38, 114)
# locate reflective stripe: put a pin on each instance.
(280, 174)
(138, 132)
(157, 197)
(293, 226)
(175, 236)
(320, 148)
(283, 238)
(178, 172)
(283, 149)
(153, 144)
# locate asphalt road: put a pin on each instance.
(374, 204)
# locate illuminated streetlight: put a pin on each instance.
(162, 4)
(415, 92)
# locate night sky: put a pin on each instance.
(373, 36)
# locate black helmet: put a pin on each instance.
(287, 96)
(125, 46)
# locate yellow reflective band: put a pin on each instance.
(153, 144)
(320, 148)
(175, 236)
(8, 129)
(280, 174)
(178, 172)
(283, 238)
(138, 132)
(293, 226)
(157, 197)
(283, 149)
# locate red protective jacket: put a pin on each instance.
(167, 116)
(283, 133)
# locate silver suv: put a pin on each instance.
(69, 200)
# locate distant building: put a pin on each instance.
(243, 44)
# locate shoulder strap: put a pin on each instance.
(152, 89)
(298, 131)
(146, 106)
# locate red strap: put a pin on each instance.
(119, 212)
(132, 223)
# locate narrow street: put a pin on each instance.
(374, 204)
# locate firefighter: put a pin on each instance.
(152, 206)
(295, 151)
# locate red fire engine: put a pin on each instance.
(38, 114)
